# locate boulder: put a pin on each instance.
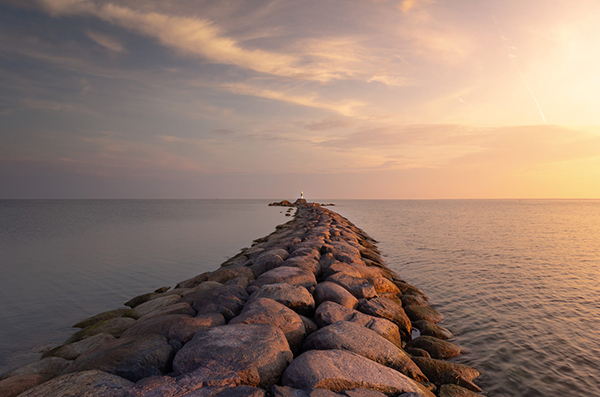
(418, 300)
(243, 282)
(456, 391)
(286, 391)
(417, 313)
(242, 391)
(152, 305)
(304, 262)
(306, 251)
(384, 286)
(113, 326)
(413, 351)
(359, 392)
(309, 325)
(357, 286)
(225, 299)
(257, 353)
(388, 309)
(184, 329)
(408, 289)
(442, 372)
(353, 337)
(290, 275)
(176, 308)
(268, 311)
(327, 291)
(47, 368)
(83, 384)
(138, 300)
(437, 348)
(100, 317)
(267, 261)
(194, 281)
(295, 297)
(338, 370)
(431, 329)
(225, 274)
(330, 312)
(72, 350)
(154, 325)
(17, 384)
(132, 358)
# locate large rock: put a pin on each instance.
(72, 350)
(242, 391)
(113, 326)
(384, 286)
(305, 251)
(330, 312)
(353, 337)
(327, 291)
(194, 281)
(418, 313)
(83, 384)
(100, 317)
(47, 368)
(338, 370)
(357, 286)
(258, 353)
(225, 299)
(176, 308)
(268, 311)
(442, 372)
(437, 348)
(456, 391)
(224, 274)
(431, 329)
(290, 275)
(17, 384)
(304, 262)
(286, 391)
(131, 358)
(388, 309)
(154, 325)
(152, 305)
(295, 297)
(267, 261)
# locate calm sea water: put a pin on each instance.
(64, 260)
(518, 282)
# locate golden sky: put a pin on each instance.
(262, 99)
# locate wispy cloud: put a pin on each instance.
(105, 41)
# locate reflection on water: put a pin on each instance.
(64, 260)
(518, 283)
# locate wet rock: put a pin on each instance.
(17, 384)
(176, 308)
(258, 353)
(442, 372)
(100, 317)
(417, 300)
(413, 351)
(113, 326)
(418, 313)
(295, 297)
(329, 313)
(132, 358)
(437, 348)
(225, 299)
(431, 329)
(194, 281)
(364, 342)
(388, 309)
(48, 368)
(338, 370)
(83, 384)
(290, 275)
(268, 311)
(456, 391)
(408, 289)
(73, 350)
(327, 291)
(148, 307)
(224, 274)
(138, 300)
(357, 286)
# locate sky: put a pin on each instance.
(342, 99)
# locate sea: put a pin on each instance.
(518, 281)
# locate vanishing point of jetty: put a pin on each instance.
(310, 310)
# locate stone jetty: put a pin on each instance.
(310, 310)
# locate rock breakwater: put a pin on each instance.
(310, 310)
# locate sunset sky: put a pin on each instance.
(262, 99)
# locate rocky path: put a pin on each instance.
(310, 310)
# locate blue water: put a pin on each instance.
(518, 282)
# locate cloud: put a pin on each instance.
(330, 124)
(105, 41)
(408, 5)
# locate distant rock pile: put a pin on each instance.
(310, 310)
